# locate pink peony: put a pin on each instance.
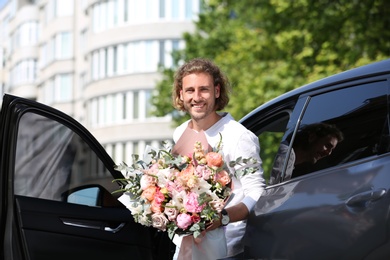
(183, 220)
(191, 203)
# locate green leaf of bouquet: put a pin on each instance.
(195, 227)
(196, 234)
(135, 157)
(153, 153)
(238, 160)
(171, 230)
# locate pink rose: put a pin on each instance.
(159, 221)
(191, 203)
(171, 212)
(148, 193)
(214, 160)
(155, 207)
(159, 197)
(186, 173)
(223, 178)
(183, 220)
(195, 218)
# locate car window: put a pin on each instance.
(270, 132)
(358, 112)
(52, 159)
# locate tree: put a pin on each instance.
(268, 47)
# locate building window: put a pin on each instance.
(175, 9)
(133, 57)
(63, 45)
(23, 72)
(123, 151)
(57, 48)
(83, 40)
(148, 103)
(161, 8)
(63, 87)
(59, 89)
(136, 109)
(58, 8)
(112, 13)
(2, 60)
(27, 34)
(120, 107)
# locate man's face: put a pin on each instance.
(198, 95)
(321, 147)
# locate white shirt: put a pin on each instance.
(237, 141)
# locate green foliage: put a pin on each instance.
(269, 145)
(269, 47)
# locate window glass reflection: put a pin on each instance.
(51, 159)
(359, 112)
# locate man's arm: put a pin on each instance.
(236, 213)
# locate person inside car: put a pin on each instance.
(312, 143)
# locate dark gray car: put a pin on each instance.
(56, 181)
(336, 207)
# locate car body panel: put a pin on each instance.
(334, 214)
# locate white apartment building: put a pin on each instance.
(96, 60)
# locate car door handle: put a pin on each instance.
(114, 230)
(93, 224)
(361, 199)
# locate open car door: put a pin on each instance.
(55, 193)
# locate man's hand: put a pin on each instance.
(215, 224)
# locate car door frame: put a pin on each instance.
(288, 187)
(14, 224)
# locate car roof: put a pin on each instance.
(376, 68)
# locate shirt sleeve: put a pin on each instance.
(253, 183)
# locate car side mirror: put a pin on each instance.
(93, 195)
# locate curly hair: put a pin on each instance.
(201, 65)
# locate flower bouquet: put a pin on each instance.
(178, 194)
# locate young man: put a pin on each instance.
(201, 89)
